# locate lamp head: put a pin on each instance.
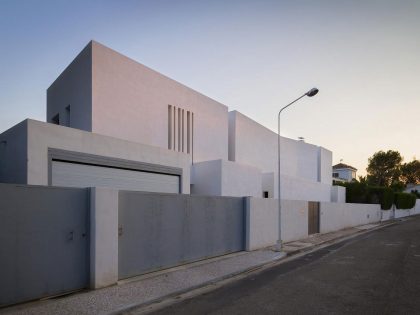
(312, 92)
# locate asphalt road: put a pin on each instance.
(375, 273)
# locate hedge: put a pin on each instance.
(361, 193)
(405, 200)
(382, 195)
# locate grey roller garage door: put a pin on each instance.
(70, 174)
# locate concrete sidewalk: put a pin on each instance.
(154, 287)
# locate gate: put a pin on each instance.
(43, 242)
(158, 231)
(313, 217)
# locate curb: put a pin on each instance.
(195, 287)
(173, 295)
(338, 239)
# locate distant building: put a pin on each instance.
(412, 188)
(343, 172)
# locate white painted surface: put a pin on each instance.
(130, 101)
(80, 175)
(293, 188)
(338, 194)
(42, 136)
(386, 215)
(401, 213)
(302, 164)
(294, 215)
(262, 217)
(337, 216)
(225, 178)
(262, 221)
(103, 237)
(73, 88)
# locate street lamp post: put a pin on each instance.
(310, 93)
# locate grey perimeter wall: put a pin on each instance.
(44, 241)
(55, 240)
(159, 231)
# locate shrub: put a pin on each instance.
(382, 195)
(405, 200)
(356, 192)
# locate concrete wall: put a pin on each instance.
(337, 216)
(338, 194)
(294, 188)
(73, 88)
(44, 241)
(401, 213)
(302, 164)
(386, 215)
(294, 220)
(225, 178)
(43, 136)
(13, 154)
(130, 101)
(262, 223)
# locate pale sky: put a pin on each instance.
(253, 56)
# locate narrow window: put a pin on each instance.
(169, 127)
(56, 119)
(265, 195)
(174, 129)
(188, 131)
(179, 129)
(192, 137)
(68, 116)
(182, 130)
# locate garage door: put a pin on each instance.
(69, 174)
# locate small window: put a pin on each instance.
(335, 175)
(265, 194)
(68, 116)
(56, 119)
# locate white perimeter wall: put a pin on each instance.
(262, 221)
(42, 136)
(338, 194)
(337, 216)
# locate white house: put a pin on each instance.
(343, 172)
(113, 122)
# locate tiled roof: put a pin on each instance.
(342, 165)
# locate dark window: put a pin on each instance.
(335, 175)
(56, 119)
(265, 194)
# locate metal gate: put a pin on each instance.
(158, 231)
(43, 242)
(313, 217)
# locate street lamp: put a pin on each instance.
(310, 93)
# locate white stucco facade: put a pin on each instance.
(117, 107)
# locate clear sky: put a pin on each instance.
(253, 56)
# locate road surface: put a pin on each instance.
(374, 273)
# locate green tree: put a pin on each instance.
(384, 168)
(410, 172)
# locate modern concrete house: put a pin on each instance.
(112, 122)
(344, 173)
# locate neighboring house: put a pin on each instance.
(343, 172)
(136, 129)
(412, 188)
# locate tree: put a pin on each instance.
(384, 168)
(410, 172)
